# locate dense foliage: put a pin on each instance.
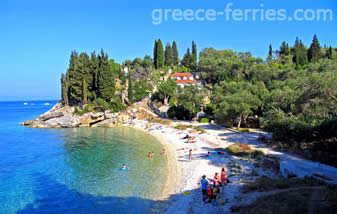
(293, 93)
(88, 78)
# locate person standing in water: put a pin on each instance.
(150, 155)
(190, 154)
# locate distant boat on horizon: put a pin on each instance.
(25, 103)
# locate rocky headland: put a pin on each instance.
(61, 116)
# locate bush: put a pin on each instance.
(103, 104)
(178, 112)
(183, 127)
(204, 120)
(243, 150)
(159, 104)
(200, 129)
(160, 121)
(244, 130)
(116, 107)
(81, 112)
(210, 109)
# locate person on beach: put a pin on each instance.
(217, 181)
(190, 154)
(186, 137)
(214, 191)
(163, 153)
(150, 155)
(204, 187)
(209, 194)
(223, 179)
(208, 155)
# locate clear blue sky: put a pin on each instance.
(37, 36)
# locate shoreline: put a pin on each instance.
(172, 164)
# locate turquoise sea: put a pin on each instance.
(75, 170)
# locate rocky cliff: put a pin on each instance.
(61, 116)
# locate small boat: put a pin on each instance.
(25, 104)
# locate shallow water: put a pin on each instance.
(75, 170)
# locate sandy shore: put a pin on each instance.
(184, 175)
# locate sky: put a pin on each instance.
(37, 36)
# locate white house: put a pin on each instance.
(183, 78)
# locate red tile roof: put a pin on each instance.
(182, 75)
(185, 81)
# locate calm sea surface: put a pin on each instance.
(75, 170)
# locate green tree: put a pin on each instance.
(93, 86)
(155, 53)
(130, 88)
(270, 54)
(75, 80)
(84, 93)
(168, 89)
(314, 52)
(142, 89)
(194, 57)
(235, 101)
(168, 55)
(300, 53)
(175, 54)
(160, 56)
(329, 53)
(187, 60)
(284, 49)
(106, 80)
(64, 90)
(190, 98)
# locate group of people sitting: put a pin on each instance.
(190, 139)
(210, 188)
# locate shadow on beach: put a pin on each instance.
(48, 201)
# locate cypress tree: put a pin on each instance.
(130, 88)
(75, 80)
(155, 53)
(329, 53)
(84, 67)
(64, 90)
(284, 49)
(314, 52)
(93, 86)
(168, 55)
(187, 60)
(175, 54)
(84, 93)
(106, 81)
(194, 57)
(300, 56)
(270, 54)
(160, 56)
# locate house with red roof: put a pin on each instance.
(183, 78)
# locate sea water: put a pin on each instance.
(75, 170)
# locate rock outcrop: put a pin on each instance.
(61, 116)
